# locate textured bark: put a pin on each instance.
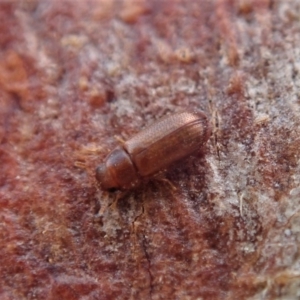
(78, 76)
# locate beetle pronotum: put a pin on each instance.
(155, 148)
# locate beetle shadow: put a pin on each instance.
(168, 183)
(121, 200)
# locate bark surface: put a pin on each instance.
(78, 76)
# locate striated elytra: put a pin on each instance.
(154, 149)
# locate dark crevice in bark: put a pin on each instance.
(144, 246)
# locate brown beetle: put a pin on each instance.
(154, 149)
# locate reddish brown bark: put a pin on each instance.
(76, 76)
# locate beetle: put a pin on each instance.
(152, 150)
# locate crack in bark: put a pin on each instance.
(216, 129)
(149, 265)
(144, 248)
(216, 126)
(136, 218)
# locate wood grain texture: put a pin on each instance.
(76, 77)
